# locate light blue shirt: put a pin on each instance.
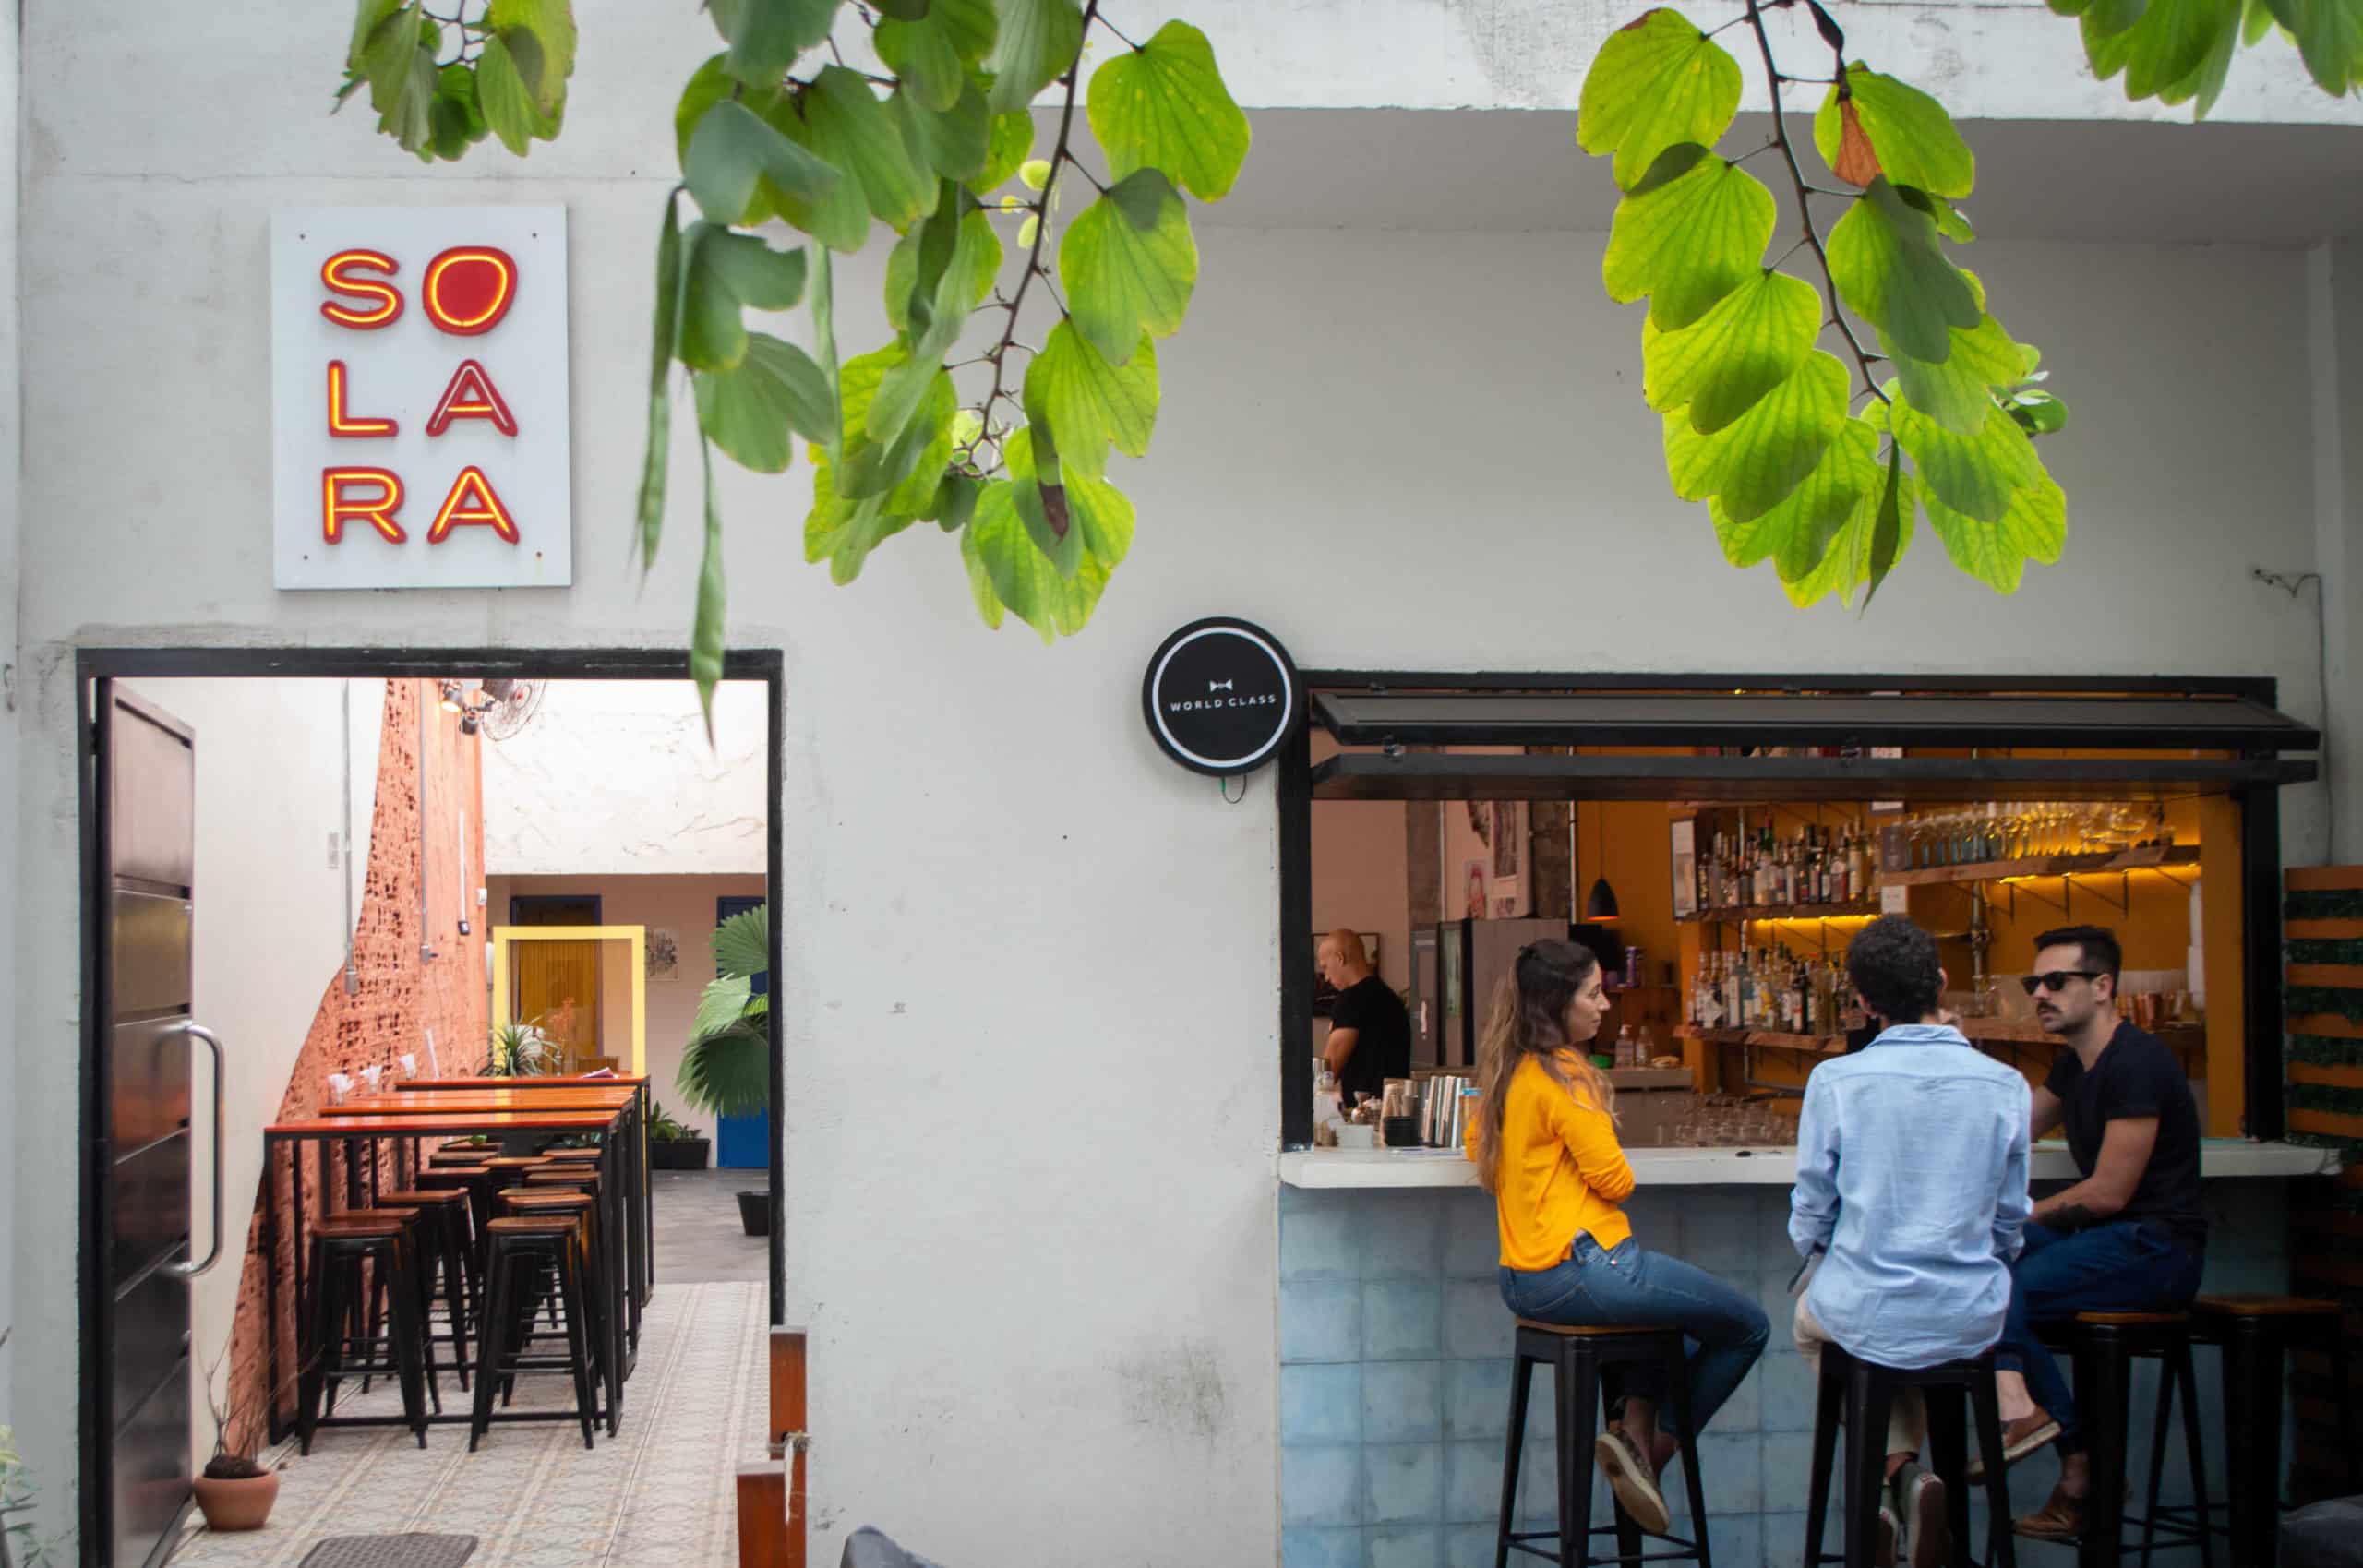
(1912, 1172)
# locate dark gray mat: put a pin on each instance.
(391, 1552)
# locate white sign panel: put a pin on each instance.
(419, 409)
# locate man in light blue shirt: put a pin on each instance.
(1911, 1198)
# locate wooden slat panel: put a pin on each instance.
(2326, 1123)
(2326, 1076)
(2328, 1024)
(2322, 930)
(2322, 879)
(762, 1518)
(2336, 976)
(787, 1418)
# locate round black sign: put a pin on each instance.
(1220, 696)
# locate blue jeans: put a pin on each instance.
(2109, 1268)
(1627, 1286)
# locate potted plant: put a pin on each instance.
(521, 1049)
(726, 1068)
(19, 1548)
(233, 1492)
(672, 1145)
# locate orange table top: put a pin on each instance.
(389, 1125)
(429, 1102)
(572, 1081)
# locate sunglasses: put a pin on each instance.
(2056, 980)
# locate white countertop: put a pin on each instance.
(1774, 1166)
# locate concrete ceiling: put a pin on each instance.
(1509, 169)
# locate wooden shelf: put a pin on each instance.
(1980, 1031)
(1861, 910)
(2046, 866)
(1823, 1045)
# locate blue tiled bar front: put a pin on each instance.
(1394, 1356)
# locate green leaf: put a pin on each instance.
(1006, 568)
(732, 148)
(977, 263)
(1915, 140)
(725, 1066)
(1748, 344)
(1886, 528)
(932, 55)
(1957, 392)
(1657, 83)
(2038, 413)
(2255, 23)
(1796, 534)
(1858, 544)
(2169, 42)
(1164, 106)
(1123, 274)
(706, 629)
(1091, 403)
(1013, 138)
(712, 335)
(824, 347)
(1886, 260)
(758, 275)
(2330, 40)
(952, 143)
(765, 36)
(385, 59)
(2206, 83)
(657, 462)
(955, 502)
(1755, 462)
(751, 411)
(904, 471)
(547, 61)
(1949, 219)
(1977, 475)
(367, 18)
(1103, 517)
(508, 103)
(2034, 527)
(1689, 241)
(1037, 40)
(742, 944)
(456, 121)
(855, 130)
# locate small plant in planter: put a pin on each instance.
(19, 1547)
(673, 1145)
(521, 1049)
(725, 1067)
(234, 1492)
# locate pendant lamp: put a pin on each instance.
(1600, 904)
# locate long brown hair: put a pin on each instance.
(1529, 1019)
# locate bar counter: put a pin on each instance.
(1394, 1348)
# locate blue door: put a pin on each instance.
(742, 1142)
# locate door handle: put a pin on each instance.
(221, 1063)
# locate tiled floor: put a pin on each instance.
(699, 1235)
(660, 1491)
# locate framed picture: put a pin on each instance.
(663, 954)
(1685, 868)
(1476, 898)
(1325, 995)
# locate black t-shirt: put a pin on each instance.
(1382, 1037)
(2138, 1076)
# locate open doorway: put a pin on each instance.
(331, 868)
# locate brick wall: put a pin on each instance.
(400, 994)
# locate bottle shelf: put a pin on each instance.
(1823, 1045)
(2101, 862)
(1862, 909)
(1980, 1031)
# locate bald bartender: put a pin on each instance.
(1369, 1035)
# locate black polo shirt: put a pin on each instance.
(1382, 1037)
(2137, 1076)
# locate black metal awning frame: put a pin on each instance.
(2163, 737)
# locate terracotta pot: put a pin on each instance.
(237, 1505)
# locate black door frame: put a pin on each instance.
(2259, 836)
(92, 664)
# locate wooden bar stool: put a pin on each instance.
(584, 1210)
(519, 1249)
(2256, 1333)
(578, 1177)
(1864, 1393)
(369, 1307)
(446, 1266)
(447, 1158)
(474, 1183)
(1578, 1358)
(572, 1157)
(2104, 1345)
(341, 1245)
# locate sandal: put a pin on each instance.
(1630, 1478)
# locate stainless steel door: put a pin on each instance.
(147, 794)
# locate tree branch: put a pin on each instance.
(1863, 358)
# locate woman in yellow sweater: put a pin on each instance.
(1544, 1141)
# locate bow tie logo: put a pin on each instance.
(1221, 685)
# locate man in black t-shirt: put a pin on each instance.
(1369, 1035)
(2130, 1237)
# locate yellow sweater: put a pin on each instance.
(1562, 1172)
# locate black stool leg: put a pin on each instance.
(2344, 1393)
(1869, 1396)
(494, 1340)
(2103, 1393)
(328, 1326)
(1678, 1395)
(456, 1285)
(1521, 1379)
(2161, 1427)
(2252, 1414)
(2186, 1373)
(570, 1286)
(2001, 1543)
(1575, 1392)
(1827, 1403)
(1948, 1454)
(409, 1339)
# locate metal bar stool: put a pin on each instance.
(340, 1244)
(1864, 1392)
(445, 1268)
(1578, 1358)
(2104, 1345)
(519, 1248)
(2255, 1334)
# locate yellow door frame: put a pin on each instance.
(637, 936)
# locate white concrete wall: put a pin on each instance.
(618, 777)
(683, 905)
(270, 932)
(13, 677)
(1032, 974)
(2334, 340)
